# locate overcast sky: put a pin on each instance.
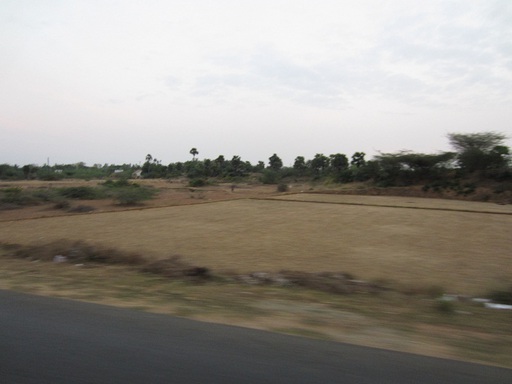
(105, 81)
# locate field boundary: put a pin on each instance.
(381, 205)
(271, 198)
(140, 208)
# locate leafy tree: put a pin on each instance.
(338, 165)
(236, 167)
(218, 166)
(220, 160)
(259, 167)
(404, 168)
(300, 165)
(208, 167)
(338, 162)
(27, 170)
(358, 159)
(483, 141)
(479, 151)
(275, 163)
(319, 164)
(194, 169)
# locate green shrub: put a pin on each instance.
(12, 195)
(119, 183)
(16, 196)
(133, 196)
(46, 195)
(197, 182)
(269, 176)
(81, 193)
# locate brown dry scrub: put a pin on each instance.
(467, 253)
(81, 252)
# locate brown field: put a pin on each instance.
(463, 247)
(417, 245)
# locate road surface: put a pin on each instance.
(47, 340)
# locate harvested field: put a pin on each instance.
(463, 252)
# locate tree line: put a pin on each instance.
(475, 155)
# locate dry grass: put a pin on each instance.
(388, 320)
(464, 252)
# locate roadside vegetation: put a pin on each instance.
(120, 191)
(417, 321)
(477, 160)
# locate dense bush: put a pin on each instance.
(118, 183)
(133, 195)
(270, 176)
(17, 197)
(81, 193)
(197, 182)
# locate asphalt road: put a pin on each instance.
(46, 340)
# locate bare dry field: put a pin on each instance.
(404, 242)
(463, 247)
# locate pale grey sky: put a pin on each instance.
(106, 81)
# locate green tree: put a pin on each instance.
(299, 165)
(404, 168)
(259, 167)
(358, 159)
(338, 162)
(319, 164)
(218, 166)
(275, 163)
(236, 167)
(479, 151)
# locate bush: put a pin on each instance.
(270, 176)
(16, 196)
(81, 193)
(46, 195)
(133, 196)
(62, 204)
(118, 183)
(197, 182)
(282, 187)
(12, 195)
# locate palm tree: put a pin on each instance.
(194, 152)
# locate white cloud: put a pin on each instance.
(252, 77)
